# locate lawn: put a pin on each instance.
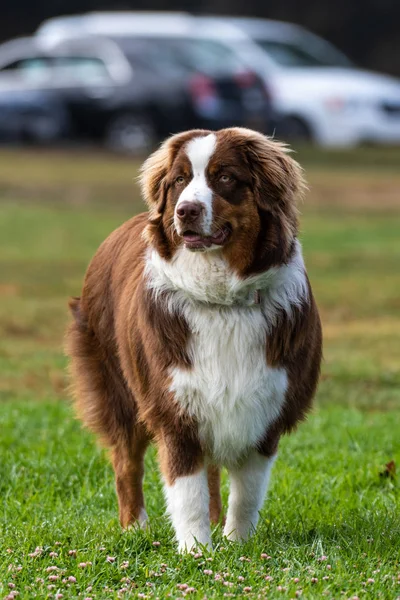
(331, 524)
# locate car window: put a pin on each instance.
(289, 54)
(182, 54)
(59, 70)
(30, 69)
(152, 55)
(208, 56)
(83, 69)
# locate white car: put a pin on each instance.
(316, 92)
(319, 93)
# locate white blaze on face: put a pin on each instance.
(199, 151)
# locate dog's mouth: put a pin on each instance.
(195, 241)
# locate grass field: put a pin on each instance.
(331, 525)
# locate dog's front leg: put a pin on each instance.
(248, 486)
(186, 489)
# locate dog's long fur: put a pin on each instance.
(213, 355)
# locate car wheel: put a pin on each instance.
(294, 129)
(129, 132)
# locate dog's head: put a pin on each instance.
(232, 191)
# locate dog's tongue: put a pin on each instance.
(195, 239)
(192, 237)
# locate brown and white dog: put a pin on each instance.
(197, 329)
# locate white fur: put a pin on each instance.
(230, 390)
(208, 279)
(199, 151)
(188, 506)
(249, 485)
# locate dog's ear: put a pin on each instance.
(278, 182)
(153, 174)
(152, 179)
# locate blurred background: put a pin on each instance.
(84, 97)
(124, 80)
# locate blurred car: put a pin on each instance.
(320, 95)
(129, 95)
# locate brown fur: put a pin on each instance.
(214, 485)
(296, 345)
(123, 340)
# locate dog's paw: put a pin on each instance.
(233, 536)
(238, 532)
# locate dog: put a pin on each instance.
(197, 329)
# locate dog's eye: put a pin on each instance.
(225, 179)
(180, 180)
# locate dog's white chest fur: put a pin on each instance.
(230, 389)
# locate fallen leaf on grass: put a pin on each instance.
(389, 470)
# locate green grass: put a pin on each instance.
(327, 497)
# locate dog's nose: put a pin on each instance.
(189, 212)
